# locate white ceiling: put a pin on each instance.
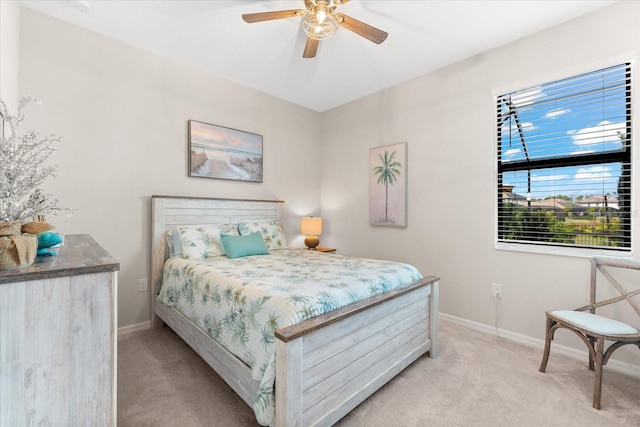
(424, 35)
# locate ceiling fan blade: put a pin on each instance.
(362, 29)
(268, 16)
(311, 48)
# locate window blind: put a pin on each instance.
(564, 162)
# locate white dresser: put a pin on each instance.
(58, 338)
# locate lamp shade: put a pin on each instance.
(311, 226)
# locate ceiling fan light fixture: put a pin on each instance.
(320, 23)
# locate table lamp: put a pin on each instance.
(312, 228)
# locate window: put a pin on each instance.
(564, 162)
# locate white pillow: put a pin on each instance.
(203, 241)
(173, 241)
(269, 229)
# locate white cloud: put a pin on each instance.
(593, 172)
(543, 178)
(603, 132)
(512, 152)
(556, 113)
(527, 97)
(512, 129)
(578, 152)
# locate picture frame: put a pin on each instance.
(220, 152)
(388, 185)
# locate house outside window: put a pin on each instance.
(564, 162)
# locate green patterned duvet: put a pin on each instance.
(241, 302)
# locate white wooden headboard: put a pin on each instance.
(169, 212)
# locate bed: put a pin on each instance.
(372, 340)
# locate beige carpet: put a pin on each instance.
(478, 380)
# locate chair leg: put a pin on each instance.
(592, 341)
(547, 346)
(597, 388)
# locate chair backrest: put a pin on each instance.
(600, 265)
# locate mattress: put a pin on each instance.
(241, 302)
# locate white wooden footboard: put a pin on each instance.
(328, 365)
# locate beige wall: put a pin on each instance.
(447, 118)
(123, 113)
(9, 48)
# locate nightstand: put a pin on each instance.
(327, 250)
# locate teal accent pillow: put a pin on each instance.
(46, 240)
(241, 246)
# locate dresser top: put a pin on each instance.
(79, 254)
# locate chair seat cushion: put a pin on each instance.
(593, 322)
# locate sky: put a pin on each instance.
(567, 118)
(218, 137)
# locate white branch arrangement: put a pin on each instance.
(23, 169)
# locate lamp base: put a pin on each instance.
(311, 242)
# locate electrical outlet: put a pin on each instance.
(143, 285)
(496, 290)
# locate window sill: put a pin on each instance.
(562, 251)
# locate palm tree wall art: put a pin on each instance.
(388, 174)
(388, 185)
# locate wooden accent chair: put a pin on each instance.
(593, 329)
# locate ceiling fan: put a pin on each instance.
(319, 22)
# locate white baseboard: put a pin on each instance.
(614, 365)
(130, 329)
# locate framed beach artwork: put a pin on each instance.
(223, 153)
(388, 185)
